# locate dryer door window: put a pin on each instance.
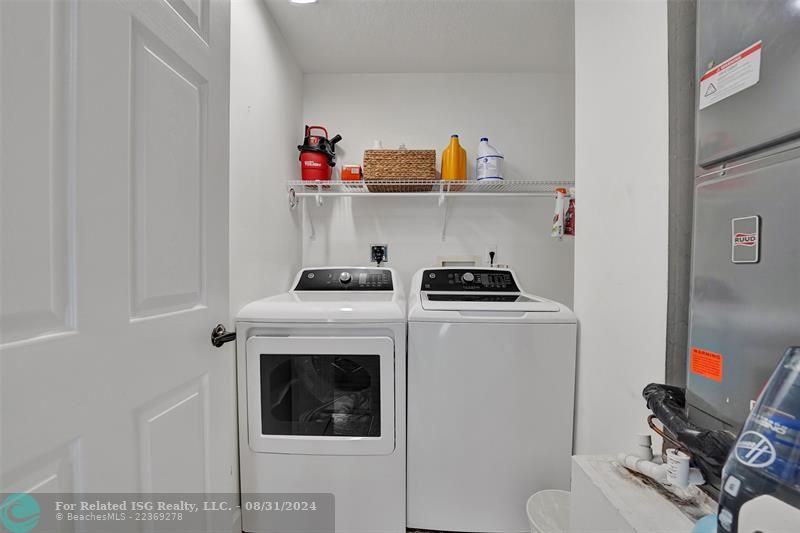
(321, 395)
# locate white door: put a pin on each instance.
(114, 248)
(321, 395)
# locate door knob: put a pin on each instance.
(219, 335)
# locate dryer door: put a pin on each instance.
(321, 395)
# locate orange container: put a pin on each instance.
(454, 161)
(351, 173)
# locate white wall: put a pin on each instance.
(527, 116)
(621, 170)
(266, 109)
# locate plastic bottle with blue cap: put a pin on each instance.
(489, 163)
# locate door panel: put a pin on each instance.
(114, 191)
(766, 113)
(57, 472)
(747, 313)
(174, 441)
(36, 274)
(169, 103)
(194, 13)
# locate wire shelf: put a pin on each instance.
(411, 187)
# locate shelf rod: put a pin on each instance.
(427, 194)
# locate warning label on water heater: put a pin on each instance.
(705, 363)
(733, 75)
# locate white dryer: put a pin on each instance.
(322, 399)
(491, 378)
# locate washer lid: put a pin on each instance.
(362, 294)
(479, 296)
(322, 306)
(485, 301)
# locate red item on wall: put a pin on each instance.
(569, 218)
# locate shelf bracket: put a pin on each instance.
(319, 195)
(444, 205)
(311, 231)
(293, 201)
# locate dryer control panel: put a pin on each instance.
(345, 279)
(468, 279)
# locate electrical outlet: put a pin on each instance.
(378, 253)
(487, 255)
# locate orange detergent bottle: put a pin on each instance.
(454, 161)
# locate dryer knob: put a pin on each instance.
(345, 277)
(468, 277)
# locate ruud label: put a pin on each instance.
(745, 237)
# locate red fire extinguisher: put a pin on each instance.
(317, 154)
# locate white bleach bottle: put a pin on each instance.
(489, 163)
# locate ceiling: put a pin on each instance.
(365, 36)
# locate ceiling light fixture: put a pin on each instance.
(303, 1)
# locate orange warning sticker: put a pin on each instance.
(706, 364)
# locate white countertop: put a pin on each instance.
(606, 497)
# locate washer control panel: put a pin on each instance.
(468, 279)
(345, 279)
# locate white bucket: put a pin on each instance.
(548, 511)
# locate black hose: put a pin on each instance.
(709, 448)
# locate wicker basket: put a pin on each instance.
(388, 165)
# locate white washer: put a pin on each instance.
(491, 378)
(322, 397)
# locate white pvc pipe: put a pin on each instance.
(644, 448)
(660, 471)
(650, 469)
